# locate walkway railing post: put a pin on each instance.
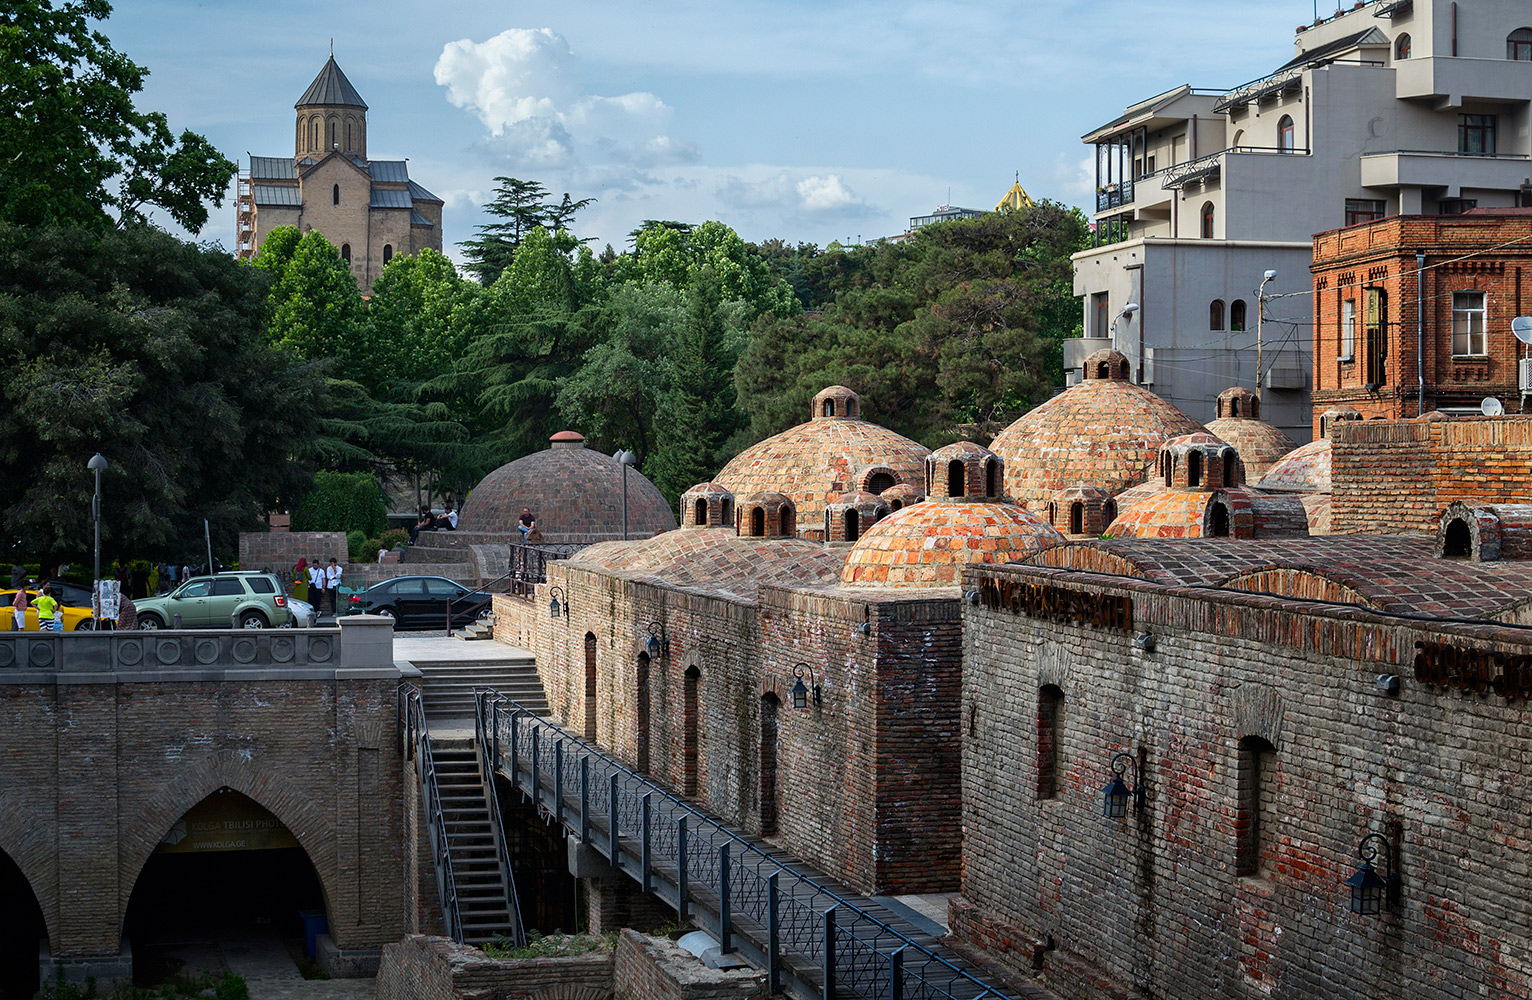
(725, 945)
(613, 839)
(645, 856)
(773, 940)
(494, 729)
(515, 757)
(585, 799)
(683, 904)
(535, 731)
(558, 782)
(829, 953)
(896, 975)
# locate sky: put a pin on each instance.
(804, 120)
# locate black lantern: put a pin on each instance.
(658, 645)
(1372, 893)
(1117, 794)
(800, 691)
(555, 609)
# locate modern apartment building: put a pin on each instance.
(1392, 107)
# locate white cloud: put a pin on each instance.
(826, 194)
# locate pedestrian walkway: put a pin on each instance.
(267, 966)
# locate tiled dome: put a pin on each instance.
(829, 455)
(928, 545)
(903, 495)
(767, 514)
(1105, 431)
(1081, 510)
(1199, 461)
(718, 561)
(707, 505)
(1307, 469)
(1188, 513)
(1260, 445)
(575, 494)
(851, 514)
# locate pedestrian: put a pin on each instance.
(139, 578)
(332, 586)
(381, 554)
(19, 607)
(527, 523)
(127, 613)
(451, 518)
(316, 585)
(47, 608)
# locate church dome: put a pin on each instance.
(1105, 430)
(835, 452)
(1260, 445)
(928, 544)
(574, 493)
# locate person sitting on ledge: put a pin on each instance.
(527, 523)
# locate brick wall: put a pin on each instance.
(279, 551)
(1150, 905)
(437, 968)
(649, 968)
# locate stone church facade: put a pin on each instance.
(370, 209)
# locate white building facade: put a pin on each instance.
(1392, 107)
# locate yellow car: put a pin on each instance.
(75, 619)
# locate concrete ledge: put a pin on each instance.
(107, 970)
(344, 963)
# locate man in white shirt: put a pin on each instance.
(452, 517)
(316, 584)
(332, 586)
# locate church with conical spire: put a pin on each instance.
(370, 209)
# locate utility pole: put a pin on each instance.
(1260, 322)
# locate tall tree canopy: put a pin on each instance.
(522, 207)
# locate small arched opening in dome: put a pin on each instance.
(853, 523)
(829, 408)
(1167, 467)
(699, 513)
(690, 708)
(1104, 370)
(1108, 513)
(758, 522)
(896, 504)
(1218, 520)
(728, 513)
(1234, 407)
(955, 477)
(991, 477)
(1458, 543)
(1230, 465)
(878, 482)
(1194, 469)
(1077, 518)
(785, 520)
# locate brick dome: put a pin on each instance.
(1260, 445)
(1104, 430)
(717, 561)
(901, 496)
(1188, 513)
(1307, 469)
(1081, 510)
(851, 514)
(707, 505)
(928, 545)
(1199, 461)
(575, 494)
(965, 471)
(767, 514)
(829, 455)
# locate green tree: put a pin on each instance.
(342, 501)
(153, 352)
(674, 254)
(419, 319)
(73, 148)
(316, 310)
(523, 207)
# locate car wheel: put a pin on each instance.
(252, 619)
(149, 622)
(86, 625)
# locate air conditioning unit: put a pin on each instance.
(1524, 375)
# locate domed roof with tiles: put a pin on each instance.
(1104, 430)
(717, 560)
(819, 460)
(1186, 513)
(574, 493)
(929, 543)
(904, 494)
(1260, 445)
(1307, 469)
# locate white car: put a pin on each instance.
(303, 614)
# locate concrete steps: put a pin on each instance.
(483, 899)
(479, 631)
(447, 686)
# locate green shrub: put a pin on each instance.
(342, 501)
(356, 545)
(393, 538)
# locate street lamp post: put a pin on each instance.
(97, 464)
(1260, 322)
(625, 459)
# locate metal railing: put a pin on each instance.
(1114, 195)
(811, 941)
(529, 563)
(417, 738)
(485, 744)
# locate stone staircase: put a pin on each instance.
(447, 686)
(481, 891)
(478, 631)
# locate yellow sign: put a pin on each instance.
(226, 821)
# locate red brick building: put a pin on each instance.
(1391, 327)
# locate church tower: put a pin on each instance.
(331, 117)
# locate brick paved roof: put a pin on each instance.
(928, 544)
(575, 494)
(1389, 572)
(823, 458)
(717, 560)
(1105, 431)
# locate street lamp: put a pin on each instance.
(1117, 794)
(625, 459)
(1260, 321)
(97, 464)
(800, 691)
(1372, 893)
(1127, 313)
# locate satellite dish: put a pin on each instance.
(1491, 407)
(1522, 327)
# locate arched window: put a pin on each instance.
(1518, 45)
(1109, 512)
(699, 512)
(785, 520)
(345, 252)
(878, 482)
(769, 714)
(1219, 521)
(1230, 463)
(388, 253)
(851, 409)
(590, 687)
(1207, 220)
(991, 486)
(955, 476)
(1253, 803)
(690, 697)
(1286, 137)
(894, 504)
(1050, 724)
(332, 133)
(1194, 469)
(1103, 370)
(350, 136)
(1077, 518)
(1215, 315)
(1402, 47)
(1237, 316)
(829, 408)
(314, 144)
(642, 713)
(1234, 407)
(853, 524)
(335, 194)
(758, 522)
(1167, 466)
(727, 516)
(1239, 138)
(1459, 541)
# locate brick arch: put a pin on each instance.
(569, 991)
(275, 793)
(1308, 583)
(26, 837)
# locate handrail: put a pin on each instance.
(413, 719)
(1448, 152)
(484, 741)
(853, 951)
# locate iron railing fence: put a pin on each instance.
(529, 563)
(812, 941)
(484, 745)
(417, 743)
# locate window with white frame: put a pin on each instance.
(1348, 330)
(1467, 323)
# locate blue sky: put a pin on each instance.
(810, 121)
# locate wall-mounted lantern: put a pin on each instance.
(658, 645)
(1372, 893)
(556, 609)
(1117, 793)
(800, 691)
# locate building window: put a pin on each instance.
(1099, 322)
(1348, 330)
(1402, 47)
(829, 407)
(1467, 323)
(350, 141)
(388, 253)
(1361, 210)
(332, 133)
(1375, 330)
(690, 709)
(345, 252)
(335, 194)
(590, 687)
(1476, 135)
(957, 477)
(1077, 518)
(1215, 315)
(1519, 45)
(1286, 135)
(785, 522)
(1207, 220)
(1455, 206)
(758, 522)
(1237, 316)
(853, 524)
(1194, 469)
(1253, 806)
(699, 513)
(1050, 719)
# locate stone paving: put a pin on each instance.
(268, 968)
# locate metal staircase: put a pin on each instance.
(486, 895)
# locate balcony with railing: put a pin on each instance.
(1444, 169)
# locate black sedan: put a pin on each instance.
(420, 602)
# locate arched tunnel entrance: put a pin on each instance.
(539, 862)
(21, 930)
(227, 884)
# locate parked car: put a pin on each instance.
(419, 602)
(256, 599)
(303, 614)
(71, 594)
(76, 619)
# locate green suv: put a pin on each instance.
(256, 599)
